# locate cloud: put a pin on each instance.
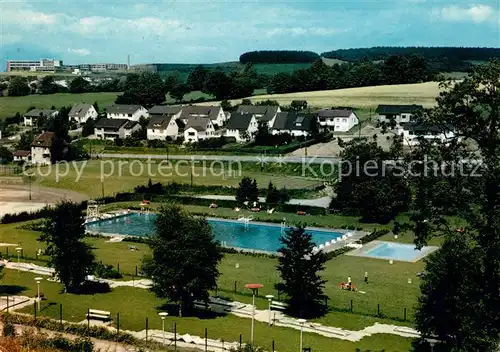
(474, 13)
(81, 52)
(26, 18)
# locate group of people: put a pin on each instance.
(349, 285)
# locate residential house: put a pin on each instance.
(161, 127)
(241, 126)
(41, 148)
(295, 123)
(129, 112)
(198, 128)
(399, 113)
(82, 112)
(214, 113)
(31, 117)
(411, 133)
(115, 128)
(22, 155)
(165, 110)
(266, 113)
(338, 120)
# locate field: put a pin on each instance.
(10, 105)
(364, 97)
(124, 176)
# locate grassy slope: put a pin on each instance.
(364, 97)
(10, 105)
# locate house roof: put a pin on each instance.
(281, 121)
(209, 111)
(38, 112)
(111, 123)
(198, 123)
(159, 121)
(79, 110)
(416, 127)
(299, 122)
(44, 140)
(21, 153)
(334, 113)
(130, 124)
(265, 112)
(123, 109)
(239, 121)
(397, 109)
(164, 110)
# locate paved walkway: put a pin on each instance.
(322, 202)
(245, 311)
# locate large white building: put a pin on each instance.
(129, 112)
(337, 120)
(42, 65)
(398, 113)
(412, 132)
(111, 129)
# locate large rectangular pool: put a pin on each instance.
(253, 236)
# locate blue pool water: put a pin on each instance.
(398, 251)
(234, 234)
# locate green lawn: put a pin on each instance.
(135, 305)
(125, 175)
(10, 105)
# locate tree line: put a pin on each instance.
(278, 57)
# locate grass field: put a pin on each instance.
(364, 97)
(10, 105)
(125, 175)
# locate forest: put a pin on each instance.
(278, 57)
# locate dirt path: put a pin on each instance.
(21, 194)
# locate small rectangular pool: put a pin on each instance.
(392, 250)
(254, 236)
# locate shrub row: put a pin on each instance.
(32, 215)
(373, 236)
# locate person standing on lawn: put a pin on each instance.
(366, 277)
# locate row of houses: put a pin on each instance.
(195, 123)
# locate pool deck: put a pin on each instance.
(355, 235)
(362, 252)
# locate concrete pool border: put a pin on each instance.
(363, 252)
(355, 235)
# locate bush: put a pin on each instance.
(9, 330)
(337, 252)
(373, 236)
(106, 271)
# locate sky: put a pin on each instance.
(196, 31)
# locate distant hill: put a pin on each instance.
(278, 57)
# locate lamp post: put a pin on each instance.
(18, 250)
(253, 287)
(163, 315)
(38, 280)
(301, 321)
(269, 298)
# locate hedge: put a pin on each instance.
(373, 236)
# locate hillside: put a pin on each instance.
(364, 97)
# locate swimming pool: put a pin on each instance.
(254, 236)
(392, 250)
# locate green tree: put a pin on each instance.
(88, 128)
(178, 91)
(145, 89)
(197, 78)
(298, 105)
(184, 259)
(247, 191)
(218, 84)
(262, 135)
(79, 85)
(25, 141)
(464, 312)
(70, 256)
(299, 267)
(5, 155)
(18, 87)
(96, 107)
(370, 187)
(275, 196)
(172, 81)
(226, 105)
(48, 86)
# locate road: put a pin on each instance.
(322, 202)
(288, 159)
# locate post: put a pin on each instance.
(60, 314)
(378, 308)
(175, 336)
(34, 308)
(253, 315)
(206, 342)
(7, 304)
(7, 254)
(273, 346)
(235, 286)
(351, 305)
(117, 323)
(240, 341)
(147, 329)
(88, 318)
(136, 271)
(326, 302)
(405, 314)
(102, 188)
(118, 267)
